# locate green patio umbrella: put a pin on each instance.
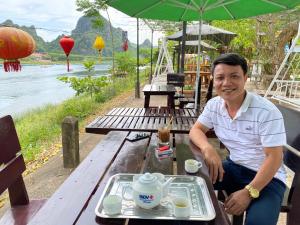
(199, 10)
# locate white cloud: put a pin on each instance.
(57, 16)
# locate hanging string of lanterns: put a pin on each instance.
(99, 44)
(67, 43)
(14, 45)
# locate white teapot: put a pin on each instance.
(148, 190)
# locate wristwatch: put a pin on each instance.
(253, 192)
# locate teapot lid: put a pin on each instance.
(147, 178)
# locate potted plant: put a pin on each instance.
(188, 91)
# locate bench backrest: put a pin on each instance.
(12, 162)
(292, 160)
(177, 79)
(291, 118)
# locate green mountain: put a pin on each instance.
(84, 36)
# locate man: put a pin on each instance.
(252, 129)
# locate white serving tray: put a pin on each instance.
(191, 187)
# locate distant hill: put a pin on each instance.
(84, 36)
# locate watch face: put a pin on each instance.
(254, 193)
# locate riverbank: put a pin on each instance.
(45, 174)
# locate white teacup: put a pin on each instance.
(112, 204)
(181, 207)
(192, 165)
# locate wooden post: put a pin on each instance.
(70, 142)
(182, 50)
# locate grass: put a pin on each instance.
(40, 128)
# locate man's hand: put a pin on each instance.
(237, 202)
(214, 163)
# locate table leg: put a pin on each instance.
(147, 101)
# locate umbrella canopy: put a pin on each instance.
(207, 32)
(192, 10)
(187, 10)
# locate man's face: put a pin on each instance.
(229, 82)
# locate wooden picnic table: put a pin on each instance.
(75, 200)
(161, 89)
(146, 120)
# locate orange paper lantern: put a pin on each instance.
(14, 44)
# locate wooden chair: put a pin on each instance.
(290, 204)
(13, 165)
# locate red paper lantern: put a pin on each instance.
(14, 44)
(67, 43)
(125, 46)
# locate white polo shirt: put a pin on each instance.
(257, 124)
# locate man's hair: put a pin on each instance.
(232, 59)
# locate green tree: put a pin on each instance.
(88, 84)
(89, 66)
(125, 63)
(92, 9)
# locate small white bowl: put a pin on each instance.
(112, 204)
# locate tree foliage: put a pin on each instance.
(86, 85)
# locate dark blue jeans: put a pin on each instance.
(262, 211)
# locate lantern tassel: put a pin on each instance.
(68, 63)
(100, 53)
(12, 66)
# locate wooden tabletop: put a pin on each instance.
(160, 89)
(75, 200)
(145, 119)
(154, 111)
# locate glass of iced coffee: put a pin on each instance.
(163, 136)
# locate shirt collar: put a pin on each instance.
(245, 105)
(243, 108)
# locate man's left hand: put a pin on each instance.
(237, 202)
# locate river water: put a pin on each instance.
(36, 86)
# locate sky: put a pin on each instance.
(60, 17)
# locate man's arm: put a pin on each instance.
(238, 201)
(211, 157)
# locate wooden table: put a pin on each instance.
(75, 200)
(144, 119)
(154, 89)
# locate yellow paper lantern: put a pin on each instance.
(99, 44)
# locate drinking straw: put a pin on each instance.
(170, 123)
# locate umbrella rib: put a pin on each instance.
(275, 3)
(181, 5)
(220, 3)
(185, 10)
(148, 8)
(229, 13)
(195, 4)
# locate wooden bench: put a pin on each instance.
(290, 203)
(185, 101)
(13, 165)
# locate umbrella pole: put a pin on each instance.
(198, 78)
(137, 85)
